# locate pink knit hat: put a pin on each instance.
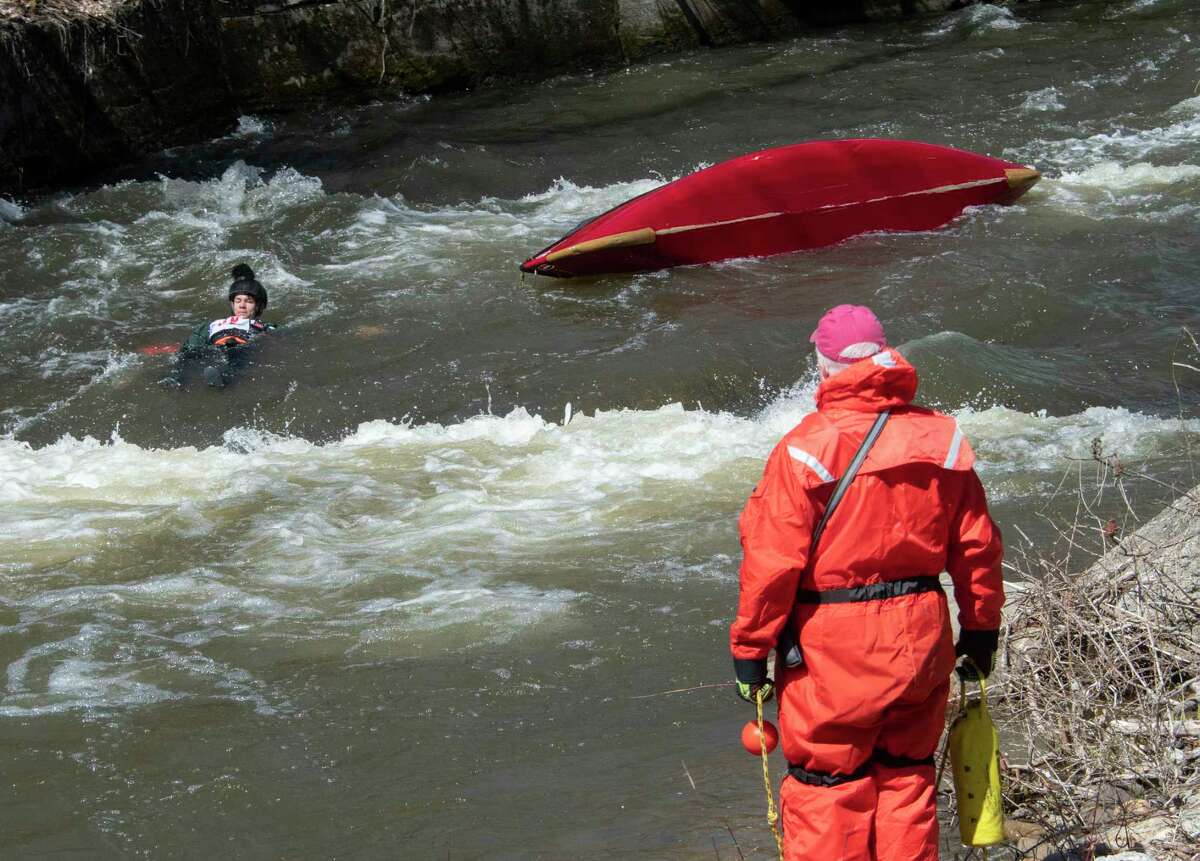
(844, 326)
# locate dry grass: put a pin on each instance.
(58, 11)
(1102, 678)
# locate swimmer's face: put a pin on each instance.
(243, 305)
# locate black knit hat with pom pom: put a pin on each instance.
(244, 284)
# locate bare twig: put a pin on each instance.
(1103, 679)
(733, 837)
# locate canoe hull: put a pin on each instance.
(792, 198)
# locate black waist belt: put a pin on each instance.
(824, 778)
(870, 592)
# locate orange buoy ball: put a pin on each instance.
(750, 737)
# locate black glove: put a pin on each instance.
(980, 647)
(752, 678)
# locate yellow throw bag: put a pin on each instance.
(975, 758)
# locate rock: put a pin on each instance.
(1189, 817)
(1144, 832)
(1163, 556)
(1027, 837)
(1182, 729)
(91, 83)
(1015, 829)
(1152, 577)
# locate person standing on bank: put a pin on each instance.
(862, 706)
(220, 344)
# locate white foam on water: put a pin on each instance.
(73, 679)
(978, 19)
(10, 211)
(106, 666)
(388, 235)
(1125, 172)
(22, 306)
(241, 195)
(1120, 145)
(84, 282)
(250, 126)
(1141, 190)
(995, 17)
(1049, 99)
(1007, 441)
(56, 362)
(455, 614)
(1171, 214)
(441, 605)
(402, 539)
(441, 501)
(118, 472)
(1190, 107)
(493, 473)
(1124, 10)
(564, 203)
(202, 591)
(1112, 176)
(85, 680)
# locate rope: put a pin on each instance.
(962, 707)
(772, 814)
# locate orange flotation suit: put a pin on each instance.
(861, 717)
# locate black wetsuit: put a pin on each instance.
(220, 347)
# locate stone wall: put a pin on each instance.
(86, 84)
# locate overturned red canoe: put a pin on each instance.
(785, 199)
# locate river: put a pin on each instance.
(380, 598)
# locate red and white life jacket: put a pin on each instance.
(234, 331)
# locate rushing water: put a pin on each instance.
(380, 599)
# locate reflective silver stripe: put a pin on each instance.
(884, 360)
(811, 462)
(955, 445)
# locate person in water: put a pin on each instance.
(861, 705)
(221, 344)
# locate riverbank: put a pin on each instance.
(89, 84)
(1103, 678)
